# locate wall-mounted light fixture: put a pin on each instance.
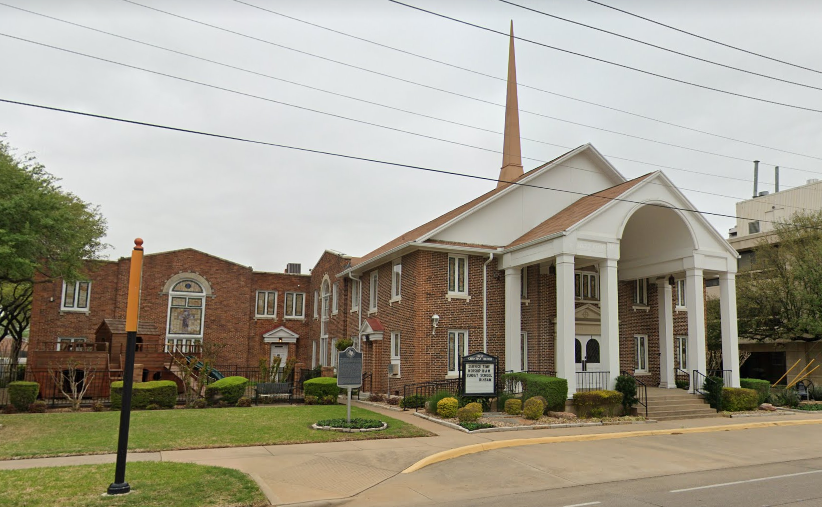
(671, 281)
(435, 319)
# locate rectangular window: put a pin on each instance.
(266, 303)
(682, 352)
(316, 304)
(372, 293)
(323, 351)
(457, 348)
(355, 295)
(753, 227)
(680, 293)
(335, 289)
(523, 280)
(294, 305)
(641, 292)
(587, 285)
(523, 340)
(313, 354)
(396, 280)
(75, 295)
(395, 345)
(334, 352)
(641, 354)
(457, 274)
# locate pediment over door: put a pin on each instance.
(587, 320)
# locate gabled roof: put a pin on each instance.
(576, 212)
(372, 328)
(119, 326)
(280, 334)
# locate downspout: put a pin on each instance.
(485, 303)
(359, 305)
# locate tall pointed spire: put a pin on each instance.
(511, 155)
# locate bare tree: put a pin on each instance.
(73, 380)
(195, 371)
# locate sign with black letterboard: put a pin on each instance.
(479, 373)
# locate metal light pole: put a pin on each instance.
(120, 486)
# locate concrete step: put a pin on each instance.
(678, 418)
(653, 414)
(677, 408)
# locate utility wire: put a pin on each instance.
(366, 159)
(686, 55)
(705, 38)
(602, 60)
(504, 79)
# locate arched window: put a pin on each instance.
(325, 305)
(186, 311)
(577, 351)
(592, 351)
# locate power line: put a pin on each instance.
(686, 55)
(363, 159)
(602, 60)
(530, 87)
(705, 38)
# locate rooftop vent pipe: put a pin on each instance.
(756, 178)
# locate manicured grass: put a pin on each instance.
(152, 484)
(60, 434)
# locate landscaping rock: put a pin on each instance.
(768, 407)
(562, 415)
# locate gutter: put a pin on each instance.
(485, 302)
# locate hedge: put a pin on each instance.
(590, 402)
(737, 399)
(762, 387)
(228, 390)
(23, 394)
(143, 394)
(321, 386)
(554, 390)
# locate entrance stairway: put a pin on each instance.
(672, 404)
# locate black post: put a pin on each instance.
(120, 486)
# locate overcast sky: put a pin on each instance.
(263, 206)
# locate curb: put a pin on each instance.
(519, 442)
(527, 428)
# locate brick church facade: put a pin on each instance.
(606, 275)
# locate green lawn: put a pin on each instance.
(152, 484)
(60, 434)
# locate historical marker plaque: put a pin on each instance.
(349, 368)
(479, 373)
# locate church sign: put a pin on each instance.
(479, 374)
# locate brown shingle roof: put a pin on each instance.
(577, 211)
(119, 326)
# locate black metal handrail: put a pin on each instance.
(680, 374)
(725, 375)
(592, 380)
(698, 382)
(641, 392)
(428, 389)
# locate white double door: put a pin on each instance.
(587, 352)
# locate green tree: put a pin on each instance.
(45, 233)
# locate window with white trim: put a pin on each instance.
(396, 279)
(65, 343)
(641, 292)
(586, 285)
(457, 274)
(186, 310)
(523, 341)
(457, 348)
(681, 358)
(314, 354)
(395, 345)
(680, 293)
(335, 291)
(316, 304)
(523, 283)
(372, 293)
(75, 296)
(334, 352)
(323, 351)
(324, 298)
(355, 295)
(294, 305)
(266, 304)
(640, 353)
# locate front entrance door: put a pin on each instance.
(587, 359)
(280, 351)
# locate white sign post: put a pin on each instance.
(349, 373)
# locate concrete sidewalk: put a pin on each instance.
(316, 472)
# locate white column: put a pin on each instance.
(566, 327)
(513, 320)
(695, 302)
(730, 338)
(609, 305)
(665, 307)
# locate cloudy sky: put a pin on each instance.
(265, 206)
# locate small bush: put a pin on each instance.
(513, 406)
(785, 398)
(344, 343)
(713, 392)
(554, 390)
(38, 407)
(143, 394)
(470, 412)
(228, 390)
(310, 400)
(322, 386)
(413, 401)
(737, 399)
(9, 409)
(98, 407)
(533, 408)
(762, 387)
(244, 402)
(626, 385)
(435, 399)
(447, 407)
(393, 400)
(356, 423)
(153, 406)
(597, 403)
(544, 402)
(328, 399)
(376, 398)
(201, 403)
(23, 394)
(503, 398)
(471, 426)
(683, 384)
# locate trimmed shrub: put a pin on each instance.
(356, 423)
(344, 343)
(626, 385)
(447, 407)
(503, 398)
(376, 397)
(38, 407)
(597, 403)
(762, 387)
(554, 390)
(98, 407)
(737, 399)
(471, 426)
(532, 409)
(413, 401)
(713, 392)
(435, 399)
(310, 400)
(470, 412)
(143, 394)
(393, 400)
(513, 406)
(321, 386)
(683, 384)
(9, 409)
(329, 399)
(785, 397)
(244, 402)
(228, 390)
(23, 394)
